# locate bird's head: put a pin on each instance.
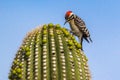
(68, 16)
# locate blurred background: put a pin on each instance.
(102, 18)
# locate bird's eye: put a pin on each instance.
(65, 17)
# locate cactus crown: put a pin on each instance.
(49, 52)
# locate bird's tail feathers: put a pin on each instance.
(90, 39)
(86, 39)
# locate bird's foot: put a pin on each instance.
(72, 32)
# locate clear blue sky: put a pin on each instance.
(102, 18)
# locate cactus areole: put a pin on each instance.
(50, 52)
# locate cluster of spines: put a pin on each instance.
(50, 52)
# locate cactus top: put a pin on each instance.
(49, 52)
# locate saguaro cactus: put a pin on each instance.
(49, 52)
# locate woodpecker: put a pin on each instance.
(78, 27)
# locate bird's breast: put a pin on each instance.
(74, 28)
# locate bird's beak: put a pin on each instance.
(65, 22)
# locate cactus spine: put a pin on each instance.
(49, 52)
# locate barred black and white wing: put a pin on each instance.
(81, 25)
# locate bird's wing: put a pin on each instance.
(81, 25)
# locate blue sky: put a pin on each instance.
(102, 18)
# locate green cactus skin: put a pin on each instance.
(50, 52)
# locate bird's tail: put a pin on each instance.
(90, 39)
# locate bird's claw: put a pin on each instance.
(71, 31)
